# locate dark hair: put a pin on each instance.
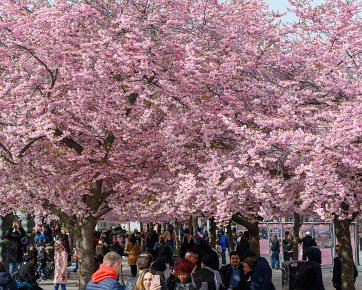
(2, 267)
(144, 261)
(192, 251)
(208, 261)
(183, 266)
(222, 232)
(314, 254)
(133, 239)
(158, 266)
(234, 253)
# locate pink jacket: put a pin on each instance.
(61, 263)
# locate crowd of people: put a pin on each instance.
(153, 262)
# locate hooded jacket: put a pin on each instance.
(105, 278)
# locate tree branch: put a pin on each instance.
(27, 146)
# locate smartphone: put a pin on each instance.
(156, 280)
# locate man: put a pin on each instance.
(193, 256)
(307, 242)
(203, 248)
(232, 274)
(27, 272)
(207, 277)
(106, 277)
(243, 244)
(223, 242)
(275, 250)
(337, 270)
(15, 235)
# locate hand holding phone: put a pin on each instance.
(156, 282)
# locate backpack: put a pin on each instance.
(304, 277)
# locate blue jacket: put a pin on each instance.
(105, 284)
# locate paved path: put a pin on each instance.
(277, 279)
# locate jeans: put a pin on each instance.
(275, 260)
(13, 267)
(62, 286)
(75, 269)
(223, 256)
(41, 270)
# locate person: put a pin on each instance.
(76, 261)
(42, 258)
(243, 244)
(309, 275)
(180, 279)
(143, 263)
(223, 242)
(203, 248)
(188, 242)
(15, 234)
(307, 241)
(275, 250)
(106, 277)
(207, 276)
(248, 264)
(337, 270)
(232, 275)
(288, 248)
(146, 282)
(164, 253)
(285, 242)
(261, 273)
(193, 256)
(151, 239)
(133, 250)
(27, 273)
(6, 280)
(60, 266)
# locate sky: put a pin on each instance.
(282, 6)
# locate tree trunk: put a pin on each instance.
(177, 239)
(344, 239)
(191, 227)
(86, 251)
(296, 229)
(230, 236)
(253, 229)
(212, 233)
(195, 226)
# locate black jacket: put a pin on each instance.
(15, 247)
(203, 248)
(308, 242)
(7, 282)
(27, 274)
(206, 276)
(337, 273)
(226, 272)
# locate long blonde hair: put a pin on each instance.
(139, 282)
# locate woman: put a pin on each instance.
(144, 280)
(6, 281)
(61, 263)
(248, 264)
(187, 243)
(180, 279)
(164, 253)
(133, 250)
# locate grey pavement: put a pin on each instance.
(277, 279)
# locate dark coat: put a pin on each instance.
(261, 275)
(15, 246)
(203, 248)
(7, 282)
(308, 242)
(205, 275)
(317, 283)
(226, 272)
(337, 273)
(27, 274)
(186, 246)
(105, 284)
